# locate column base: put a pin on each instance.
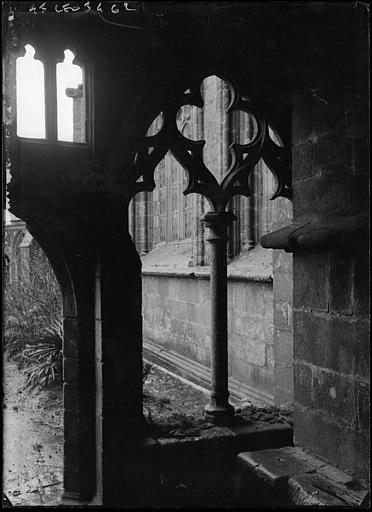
(220, 414)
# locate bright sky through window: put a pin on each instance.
(30, 96)
(30, 89)
(68, 76)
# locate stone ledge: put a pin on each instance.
(230, 440)
(297, 478)
(174, 261)
(203, 273)
(327, 234)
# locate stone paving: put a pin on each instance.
(32, 442)
(33, 428)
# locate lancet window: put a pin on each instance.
(51, 97)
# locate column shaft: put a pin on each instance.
(219, 409)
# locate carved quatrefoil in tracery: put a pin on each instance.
(235, 137)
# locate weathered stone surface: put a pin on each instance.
(338, 343)
(301, 454)
(273, 466)
(259, 377)
(310, 278)
(303, 492)
(283, 316)
(334, 393)
(361, 295)
(298, 478)
(269, 356)
(261, 436)
(282, 261)
(324, 436)
(324, 488)
(283, 346)
(180, 321)
(363, 406)
(340, 290)
(331, 345)
(284, 383)
(330, 292)
(335, 474)
(303, 384)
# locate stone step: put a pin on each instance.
(290, 476)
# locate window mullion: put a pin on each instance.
(50, 97)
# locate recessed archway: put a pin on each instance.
(33, 373)
(171, 259)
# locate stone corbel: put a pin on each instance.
(320, 234)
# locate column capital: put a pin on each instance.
(218, 223)
(214, 219)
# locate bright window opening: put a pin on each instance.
(30, 96)
(70, 100)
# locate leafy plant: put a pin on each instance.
(33, 301)
(43, 360)
(33, 321)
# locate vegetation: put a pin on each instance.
(44, 359)
(33, 322)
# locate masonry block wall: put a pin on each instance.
(282, 317)
(176, 315)
(250, 313)
(331, 304)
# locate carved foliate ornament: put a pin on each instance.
(151, 150)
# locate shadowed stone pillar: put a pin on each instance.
(79, 382)
(121, 335)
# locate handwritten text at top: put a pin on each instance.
(114, 8)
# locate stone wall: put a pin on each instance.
(283, 304)
(331, 296)
(176, 316)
